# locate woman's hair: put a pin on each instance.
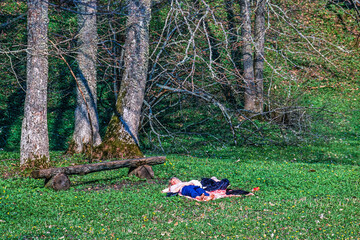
(171, 180)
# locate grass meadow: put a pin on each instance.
(306, 192)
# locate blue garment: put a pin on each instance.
(211, 185)
(193, 191)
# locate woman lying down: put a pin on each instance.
(207, 189)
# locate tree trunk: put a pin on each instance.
(34, 146)
(86, 133)
(248, 75)
(259, 53)
(121, 138)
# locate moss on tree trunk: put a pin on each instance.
(121, 138)
(118, 143)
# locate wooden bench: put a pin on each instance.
(57, 178)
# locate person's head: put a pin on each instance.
(173, 181)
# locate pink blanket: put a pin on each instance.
(216, 195)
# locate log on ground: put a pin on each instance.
(97, 167)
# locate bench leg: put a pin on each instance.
(144, 171)
(58, 182)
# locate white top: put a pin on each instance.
(177, 187)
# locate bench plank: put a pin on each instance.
(96, 167)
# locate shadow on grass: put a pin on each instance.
(98, 184)
(338, 153)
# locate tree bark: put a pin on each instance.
(97, 167)
(34, 146)
(131, 94)
(121, 138)
(259, 54)
(248, 75)
(86, 133)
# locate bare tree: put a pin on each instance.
(247, 57)
(121, 138)
(34, 146)
(259, 54)
(86, 133)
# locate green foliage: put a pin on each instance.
(12, 7)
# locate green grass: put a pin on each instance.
(306, 192)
